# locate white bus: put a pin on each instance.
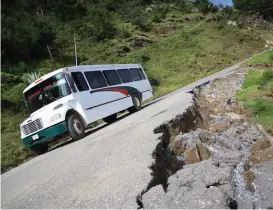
(67, 100)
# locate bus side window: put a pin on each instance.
(140, 70)
(125, 75)
(80, 81)
(112, 77)
(135, 74)
(95, 79)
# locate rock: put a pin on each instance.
(229, 141)
(192, 156)
(140, 41)
(260, 145)
(230, 158)
(191, 138)
(262, 156)
(174, 131)
(203, 151)
(229, 101)
(220, 123)
(264, 185)
(203, 136)
(178, 145)
(249, 178)
(235, 116)
(200, 185)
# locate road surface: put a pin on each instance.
(106, 169)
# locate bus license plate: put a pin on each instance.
(35, 137)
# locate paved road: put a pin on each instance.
(106, 169)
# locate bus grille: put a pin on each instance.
(32, 127)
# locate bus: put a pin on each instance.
(66, 101)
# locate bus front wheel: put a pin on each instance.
(137, 104)
(75, 127)
(39, 149)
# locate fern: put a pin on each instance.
(29, 78)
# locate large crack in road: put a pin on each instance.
(206, 156)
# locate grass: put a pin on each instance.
(257, 96)
(191, 55)
(192, 51)
(263, 59)
(12, 150)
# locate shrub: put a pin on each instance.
(15, 93)
(205, 7)
(125, 32)
(159, 12)
(260, 106)
(29, 78)
(10, 79)
(98, 25)
(267, 75)
(145, 58)
(270, 59)
(142, 23)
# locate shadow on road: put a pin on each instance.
(89, 131)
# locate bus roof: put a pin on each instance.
(81, 67)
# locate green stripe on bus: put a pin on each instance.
(45, 135)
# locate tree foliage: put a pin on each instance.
(263, 7)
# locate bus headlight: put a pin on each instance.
(55, 117)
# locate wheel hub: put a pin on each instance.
(77, 126)
(137, 102)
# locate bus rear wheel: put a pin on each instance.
(39, 149)
(137, 104)
(75, 127)
(111, 118)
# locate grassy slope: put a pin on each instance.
(188, 56)
(263, 59)
(187, 52)
(256, 98)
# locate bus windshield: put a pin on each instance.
(47, 92)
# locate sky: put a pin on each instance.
(223, 2)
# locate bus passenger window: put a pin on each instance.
(95, 79)
(125, 75)
(135, 74)
(112, 77)
(141, 73)
(80, 81)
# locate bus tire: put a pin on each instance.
(111, 118)
(39, 149)
(75, 126)
(137, 104)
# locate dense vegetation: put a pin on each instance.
(263, 7)
(176, 41)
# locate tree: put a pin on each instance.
(263, 7)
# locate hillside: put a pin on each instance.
(177, 44)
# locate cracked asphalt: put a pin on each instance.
(106, 169)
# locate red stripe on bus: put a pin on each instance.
(39, 80)
(123, 91)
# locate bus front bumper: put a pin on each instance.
(45, 135)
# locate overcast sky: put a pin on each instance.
(223, 2)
